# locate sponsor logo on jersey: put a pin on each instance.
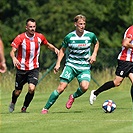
(81, 45)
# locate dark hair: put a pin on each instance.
(30, 19)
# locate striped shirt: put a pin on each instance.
(28, 50)
(79, 49)
(126, 54)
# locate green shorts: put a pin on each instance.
(69, 73)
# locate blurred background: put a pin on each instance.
(108, 19)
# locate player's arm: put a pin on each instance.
(14, 59)
(94, 54)
(127, 42)
(2, 58)
(59, 59)
(53, 48)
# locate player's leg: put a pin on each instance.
(131, 78)
(32, 78)
(83, 79)
(15, 95)
(106, 86)
(54, 96)
(19, 82)
(28, 98)
(82, 89)
(65, 77)
(121, 72)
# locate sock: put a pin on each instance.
(132, 92)
(14, 97)
(104, 87)
(28, 99)
(78, 93)
(53, 97)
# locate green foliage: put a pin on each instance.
(108, 19)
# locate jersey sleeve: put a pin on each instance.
(66, 40)
(44, 40)
(65, 43)
(16, 42)
(94, 40)
(129, 32)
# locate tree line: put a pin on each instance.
(108, 19)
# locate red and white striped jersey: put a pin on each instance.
(28, 50)
(126, 54)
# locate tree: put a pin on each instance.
(108, 19)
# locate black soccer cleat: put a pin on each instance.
(23, 109)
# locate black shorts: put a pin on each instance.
(124, 68)
(22, 77)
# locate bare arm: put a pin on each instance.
(60, 56)
(3, 67)
(94, 54)
(14, 59)
(53, 48)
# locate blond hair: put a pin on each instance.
(80, 16)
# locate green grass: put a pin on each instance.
(81, 118)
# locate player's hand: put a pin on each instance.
(56, 68)
(92, 59)
(3, 67)
(16, 62)
(56, 51)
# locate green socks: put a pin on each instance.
(78, 93)
(54, 95)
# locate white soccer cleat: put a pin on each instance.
(92, 97)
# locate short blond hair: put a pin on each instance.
(80, 16)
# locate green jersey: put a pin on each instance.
(79, 49)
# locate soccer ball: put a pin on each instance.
(109, 106)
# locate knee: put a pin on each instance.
(17, 92)
(117, 81)
(84, 85)
(61, 87)
(31, 91)
(31, 88)
(117, 84)
(84, 88)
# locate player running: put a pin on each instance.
(77, 64)
(124, 69)
(25, 53)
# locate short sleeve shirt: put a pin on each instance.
(79, 49)
(28, 50)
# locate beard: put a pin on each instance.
(31, 32)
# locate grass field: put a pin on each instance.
(81, 118)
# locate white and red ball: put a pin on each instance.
(109, 106)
